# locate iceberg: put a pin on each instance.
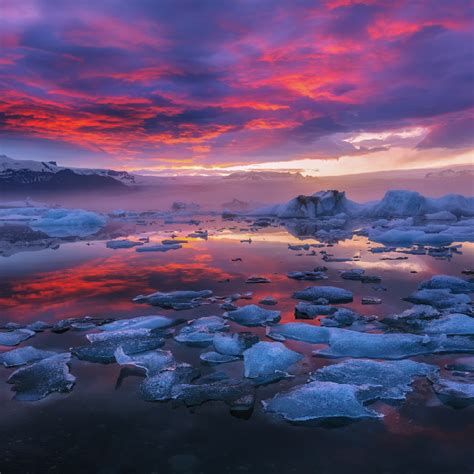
(69, 222)
(38, 380)
(331, 293)
(253, 315)
(321, 401)
(378, 380)
(266, 358)
(23, 355)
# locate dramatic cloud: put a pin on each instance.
(137, 84)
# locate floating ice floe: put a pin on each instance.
(257, 279)
(346, 343)
(300, 332)
(457, 393)
(159, 248)
(370, 300)
(234, 344)
(159, 386)
(311, 276)
(268, 301)
(69, 222)
(103, 350)
(440, 299)
(321, 401)
(23, 355)
(201, 331)
(151, 362)
(451, 325)
(378, 380)
(13, 338)
(122, 244)
(331, 293)
(454, 284)
(266, 358)
(145, 322)
(358, 274)
(217, 358)
(39, 379)
(38, 326)
(178, 300)
(174, 241)
(253, 315)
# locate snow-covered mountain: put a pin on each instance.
(19, 175)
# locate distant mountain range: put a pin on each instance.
(29, 175)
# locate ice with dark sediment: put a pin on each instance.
(158, 387)
(13, 338)
(439, 298)
(331, 293)
(38, 380)
(390, 380)
(201, 331)
(266, 358)
(234, 344)
(23, 355)
(228, 390)
(151, 362)
(253, 315)
(447, 282)
(458, 392)
(320, 401)
(102, 348)
(177, 300)
(217, 358)
(145, 322)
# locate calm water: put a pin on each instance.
(103, 426)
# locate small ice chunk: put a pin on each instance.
(103, 351)
(370, 300)
(217, 358)
(308, 275)
(38, 380)
(38, 326)
(151, 362)
(23, 355)
(177, 300)
(253, 315)
(146, 322)
(438, 298)
(257, 279)
(456, 285)
(265, 358)
(158, 248)
(159, 386)
(13, 338)
(300, 332)
(122, 244)
(268, 301)
(354, 274)
(200, 332)
(234, 344)
(379, 380)
(311, 311)
(331, 293)
(321, 401)
(456, 393)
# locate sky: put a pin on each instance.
(200, 87)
